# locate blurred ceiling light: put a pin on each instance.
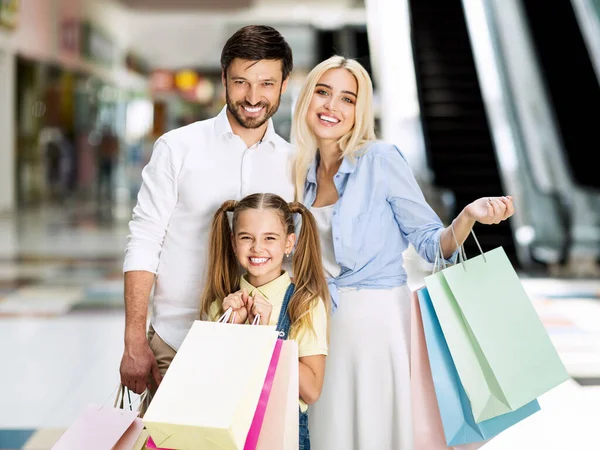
(186, 80)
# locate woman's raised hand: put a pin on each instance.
(491, 210)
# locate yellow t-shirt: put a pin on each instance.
(309, 343)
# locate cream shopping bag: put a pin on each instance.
(209, 394)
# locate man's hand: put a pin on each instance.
(136, 365)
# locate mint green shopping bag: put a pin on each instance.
(502, 352)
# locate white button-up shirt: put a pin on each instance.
(193, 170)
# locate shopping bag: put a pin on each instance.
(129, 440)
(280, 426)
(152, 446)
(142, 440)
(208, 397)
(427, 423)
(261, 407)
(452, 404)
(101, 428)
(501, 350)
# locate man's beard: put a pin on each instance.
(252, 122)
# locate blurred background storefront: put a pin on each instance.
(75, 87)
(474, 92)
(76, 71)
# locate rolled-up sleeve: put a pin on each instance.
(156, 202)
(418, 222)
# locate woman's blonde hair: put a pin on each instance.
(351, 143)
(309, 276)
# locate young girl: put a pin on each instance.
(262, 236)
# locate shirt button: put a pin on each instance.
(338, 175)
(334, 213)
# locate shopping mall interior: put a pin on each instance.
(483, 97)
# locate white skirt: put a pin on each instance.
(366, 403)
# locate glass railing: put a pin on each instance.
(525, 170)
(588, 16)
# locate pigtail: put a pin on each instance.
(309, 275)
(222, 277)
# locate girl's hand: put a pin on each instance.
(237, 302)
(257, 305)
(491, 210)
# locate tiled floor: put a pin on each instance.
(61, 335)
(61, 321)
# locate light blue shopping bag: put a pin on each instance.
(455, 408)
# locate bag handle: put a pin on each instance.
(231, 314)
(120, 399)
(440, 261)
(227, 315)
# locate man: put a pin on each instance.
(194, 169)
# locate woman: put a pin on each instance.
(368, 208)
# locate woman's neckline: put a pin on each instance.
(323, 207)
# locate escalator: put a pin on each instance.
(571, 82)
(458, 140)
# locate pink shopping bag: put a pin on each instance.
(263, 400)
(129, 439)
(427, 421)
(152, 445)
(280, 426)
(101, 428)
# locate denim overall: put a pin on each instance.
(283, 326)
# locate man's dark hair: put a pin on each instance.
(256, 42)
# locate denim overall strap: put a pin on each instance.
(283, 327)
(284, 323)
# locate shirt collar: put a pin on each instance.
(311, 176)
(223, 127)
(346, 167)
(272, 289)
(270, 133)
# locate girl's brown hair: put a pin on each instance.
(307, 267)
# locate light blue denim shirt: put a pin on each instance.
(380, 210)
